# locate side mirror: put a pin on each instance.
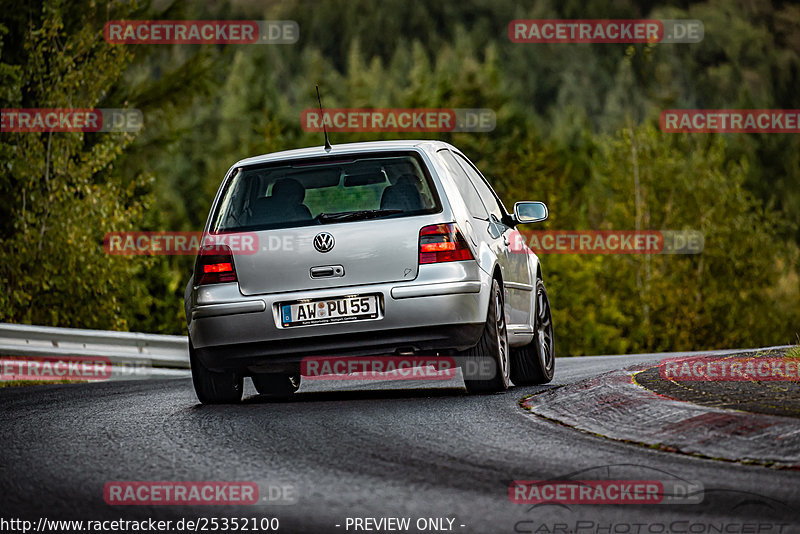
(530, 212)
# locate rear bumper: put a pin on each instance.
(267, 356)
(443, 309)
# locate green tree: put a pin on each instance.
(62, 192)
(649, 180)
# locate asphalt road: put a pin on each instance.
(421, 453)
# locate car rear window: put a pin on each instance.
(317, 191)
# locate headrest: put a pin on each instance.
(289, 190)
(408, 179)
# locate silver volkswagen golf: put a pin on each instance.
(366, 249)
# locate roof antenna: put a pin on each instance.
(328, 146)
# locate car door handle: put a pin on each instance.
(327, 271)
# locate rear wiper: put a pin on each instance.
(354, 215)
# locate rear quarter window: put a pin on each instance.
(464, 185)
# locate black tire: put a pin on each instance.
(215, 387)
(278, 385)
(492, 347)
(535, 363)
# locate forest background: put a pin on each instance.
(577, 125)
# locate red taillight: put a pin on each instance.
(442, 242)
(215, 265)
(217, 268)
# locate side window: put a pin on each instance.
(486, 194)
(468, 192)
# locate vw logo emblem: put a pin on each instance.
(323, 242)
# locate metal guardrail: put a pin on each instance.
(133, 353)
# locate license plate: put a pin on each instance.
(338, 310)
